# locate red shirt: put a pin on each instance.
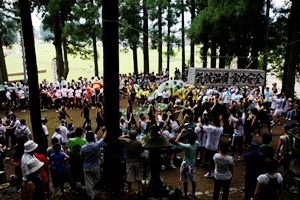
(42, 158)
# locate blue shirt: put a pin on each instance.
(59, 161)
(90, 153)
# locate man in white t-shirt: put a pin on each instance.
(214, 132)
(14, 124)
(23, 130)
(201, 138)
(63, 131)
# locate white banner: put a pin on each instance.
(225, 77)
(54, 68)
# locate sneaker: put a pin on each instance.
(56, 111)
(209, 175)
(172, 167)
(239, 158)
(279, 123)
(8, 149)
(23, 110)
(93, 107)
(289, 119)
(163, 167)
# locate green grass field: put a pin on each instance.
(85, 68)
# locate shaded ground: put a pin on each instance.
(204, 185)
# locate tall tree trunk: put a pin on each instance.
(168, 35)
(66, 61)
(3, 70)
(33, 82)
(135, 59)
(160, 40)
(95, 51)
(294, 51)
(182, 37)
(145, 37)
(205, 49)
(288, 48)
(266, 41)
(213, 55)
(254, 51)
(112, 171)
(193, 15)
(58, 47)
(242, 60)
(223, 49)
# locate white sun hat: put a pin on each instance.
(33, 165)
(30, 146)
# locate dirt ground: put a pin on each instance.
(170, 176)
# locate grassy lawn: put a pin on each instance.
(78, 67)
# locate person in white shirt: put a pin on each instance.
(201, 138)
(93, 97)
(214, 132)
(8, 98)
(64, 94)
(174, 127)
(57, 135)
(63, 82)
(78, 95)
(71, 97)
(165, 96)
(226, 95)
(2, 133)
(10, 130)
(45, 129)
(63, 131)
(58, 98)
(23, 130)
(237, 121)
(22, 99)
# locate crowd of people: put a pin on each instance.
(193, 123)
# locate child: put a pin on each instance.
(58, 159)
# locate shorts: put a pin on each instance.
(187, 172)
(277, 112)
(134, 171)
(208, 155)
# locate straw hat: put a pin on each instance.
(30, 146)
(33, 165)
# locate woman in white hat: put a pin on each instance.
(34, 188)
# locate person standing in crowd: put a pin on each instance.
(90, 153)
(62, 113)
(85, 111)
(29, 150)
(129, 114)
(58, 159)
(34, 188)
(74, 146)
(53, 169)
(44, 170)
(2, 133)
(16, 160)
(266, 149)
(189, 163)
(214, 132)
(238, 121)
(99, 117)
(223, 172)
(22, 99)
(45, 130)
(134, 162)
(255, 164)
(23, 130)
(201, 138)
(270, 185)
(284, 148)
(10, 131)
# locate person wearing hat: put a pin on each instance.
(255, 163)
(284, 148)
(34, 188)
(29, 150)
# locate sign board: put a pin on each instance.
(225, 77)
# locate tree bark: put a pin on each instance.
(205, 49)
(193, 15)
(213, 57)
(145, 38)
(160, 40)
(95, 51)
(33, 82)
(135, 59)
(111, 92)
(223, 49)
(182, 37)
(58, 46)
(3, 70)
(266, 41)
(66, 61)
(294, 51)
(168, 35)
